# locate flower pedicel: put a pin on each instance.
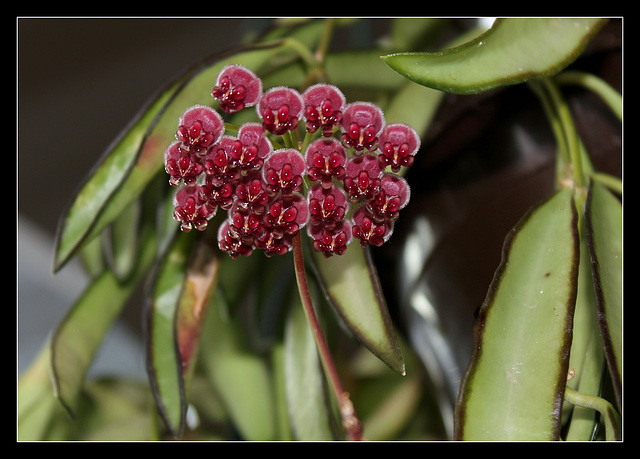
(343, 186)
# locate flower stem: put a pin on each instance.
(350, 421)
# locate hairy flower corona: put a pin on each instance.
(343, 186)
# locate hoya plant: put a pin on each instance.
(273, 204)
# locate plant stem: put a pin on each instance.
(350, 421)
(608, 412)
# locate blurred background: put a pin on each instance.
(79, 82)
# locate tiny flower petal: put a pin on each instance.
(234, 247)
(236, 88)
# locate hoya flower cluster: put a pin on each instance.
(344, 184)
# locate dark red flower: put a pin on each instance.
(252, 196)
(250, 149)
(236, 88)
(397, 146)
(326, 206)
(280, 109)
(368, 230)
(323, 108)
(283, 171)
(333, 241)
(325, 159)
(361, 125)
(393, 195)
(190, 210)
(217, 196)
(199, 127)
(182, 166)
(218, 165)
(234, 247)
(286, 217)
(362, 180)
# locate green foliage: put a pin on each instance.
(548, 347)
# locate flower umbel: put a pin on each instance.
(344, 185)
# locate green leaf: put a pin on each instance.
(514, 386)
(78, 337)
(604, 237)
(163, 356)
(307, 398)
(514, 50)
(586, 360)
(238, 374)
(351, 284)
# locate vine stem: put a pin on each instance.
(350, 421)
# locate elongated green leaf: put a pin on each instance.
(307, 399)
(514, 386)
(604, 237)
(137, 156)
(163, 359)
(514, 50)
(238, 374)
(351, 284)
(586, 361)
(80, 334)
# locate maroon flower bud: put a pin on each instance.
(280, 109)
(323, 108)
(361, 125)
(325, 159)
(368, 230)
(331, 241)
(398, 144)
(182, 166)
(393, 195)
(199, 127)
(190, 210)
(362, 180)
(327, 207)
(283, 171)
(236, 88)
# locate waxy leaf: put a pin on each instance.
(514, 386)
(163, 358)
(307, 398)
(80, 334)
(604, 238)
(351, 284)
(237, 373)
(514, 50)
